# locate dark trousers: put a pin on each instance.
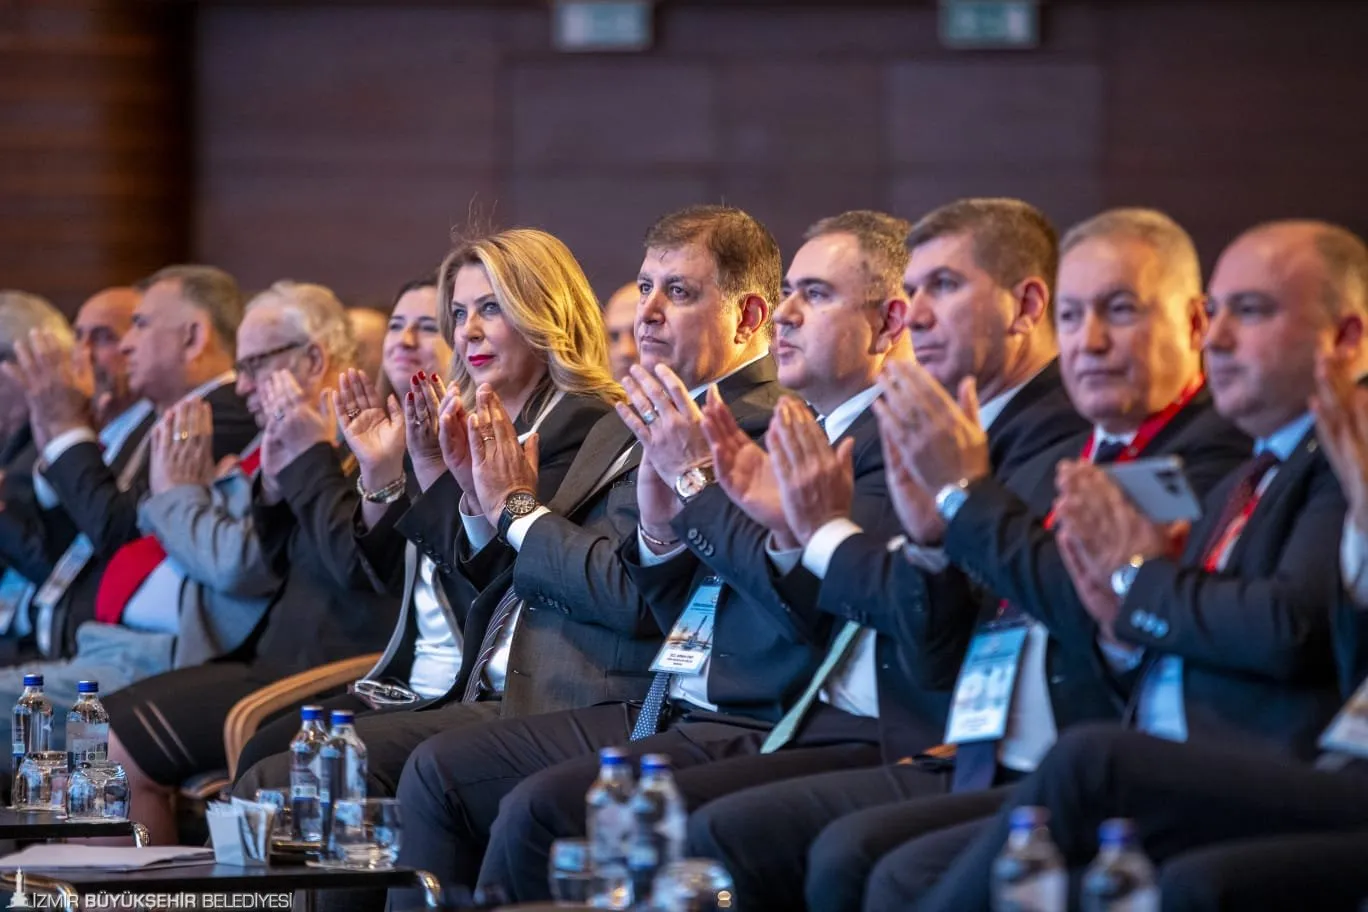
(775, 838)
(1202, 813)
(390, 735)
(518, 784)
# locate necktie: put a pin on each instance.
(1242, 498)
(489, 645)
(783, 732)
(648, 720)
(1107, 451)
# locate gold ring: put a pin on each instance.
(483, 437)
(183, 436)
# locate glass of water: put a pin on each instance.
(366, 833)
(693, 885)
(41, 783)
(98, 791)
(571, 876)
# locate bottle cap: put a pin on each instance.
(342, 717)
(88, 687)
(1116, 833)
(612, 756)
(655, 762)
(33, 680)
(1028, 818)
(311, 713)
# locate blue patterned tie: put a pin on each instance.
(648, 722)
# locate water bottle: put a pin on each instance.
(1029, 875)
(609, 821)
(305, 812)
(32, 720)
(1121, 879)
(341, 768)
(658, 825)
(87, 728)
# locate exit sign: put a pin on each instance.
(601, 25)
(971, 24)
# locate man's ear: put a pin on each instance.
(895, 315)
(754, 315)
(196, 335)
(1199, 321)
(1032, 296)
(1349, 333)
(317, 361)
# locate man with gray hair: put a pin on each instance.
(20, 314)
(179, 347)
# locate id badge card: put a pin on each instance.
(686, 649)
(1348, 732)
(983, 693)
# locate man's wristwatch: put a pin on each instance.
(1123, 577)
(950, 498)
(693, 481)
(516, 506)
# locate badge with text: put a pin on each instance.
(983, 693)
(1348, 733)
(689, 644)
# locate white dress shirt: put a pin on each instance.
(437, 653)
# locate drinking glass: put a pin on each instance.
(366, 833)
(571, 877)
(693, 885)
(276, 798)
(41, 782)
(98, 791)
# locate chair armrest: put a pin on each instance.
(248, 713)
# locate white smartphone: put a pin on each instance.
(1158, 487)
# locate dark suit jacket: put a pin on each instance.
(587, 635)
(313, 620)
(1255, 638)
(431, 523)
(29, 542)
(1038, 418)
(90, 496)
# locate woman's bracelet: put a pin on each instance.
(385, 495)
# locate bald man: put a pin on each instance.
(369, 326)
(100, 324)
(619, 315)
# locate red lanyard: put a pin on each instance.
(1148, 430)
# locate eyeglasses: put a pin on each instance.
(252, 364)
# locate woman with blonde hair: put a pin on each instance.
(528, 338)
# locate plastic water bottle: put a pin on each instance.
(609, 820)
(1029, 875)
(32, 720)
(87, 728)
(305, 812)
(341, 767)
(658, 825)
(1121, 879)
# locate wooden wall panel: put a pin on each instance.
(94, 182)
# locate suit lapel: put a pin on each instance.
(604, 444)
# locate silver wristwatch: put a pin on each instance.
(950, 498)
(1123, 577)
(690, 484)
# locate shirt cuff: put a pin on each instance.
(783, 560)
(518, 529)
(477, 529)
(1354, 562)
(65, 441)
(1120, 658)
(821, 548)
(928, 558)
(649, 558)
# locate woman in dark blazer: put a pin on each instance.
(528, 337)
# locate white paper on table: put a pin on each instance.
(108, 858)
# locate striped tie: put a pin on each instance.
(503, 612)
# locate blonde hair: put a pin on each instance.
(542, 292)
(316, 314)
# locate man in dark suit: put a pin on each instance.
(842, 318)
(179, 346)
(585, 634)
(934, 606)
(1232, 639)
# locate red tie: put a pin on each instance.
(1238, 506)
(132, 564)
